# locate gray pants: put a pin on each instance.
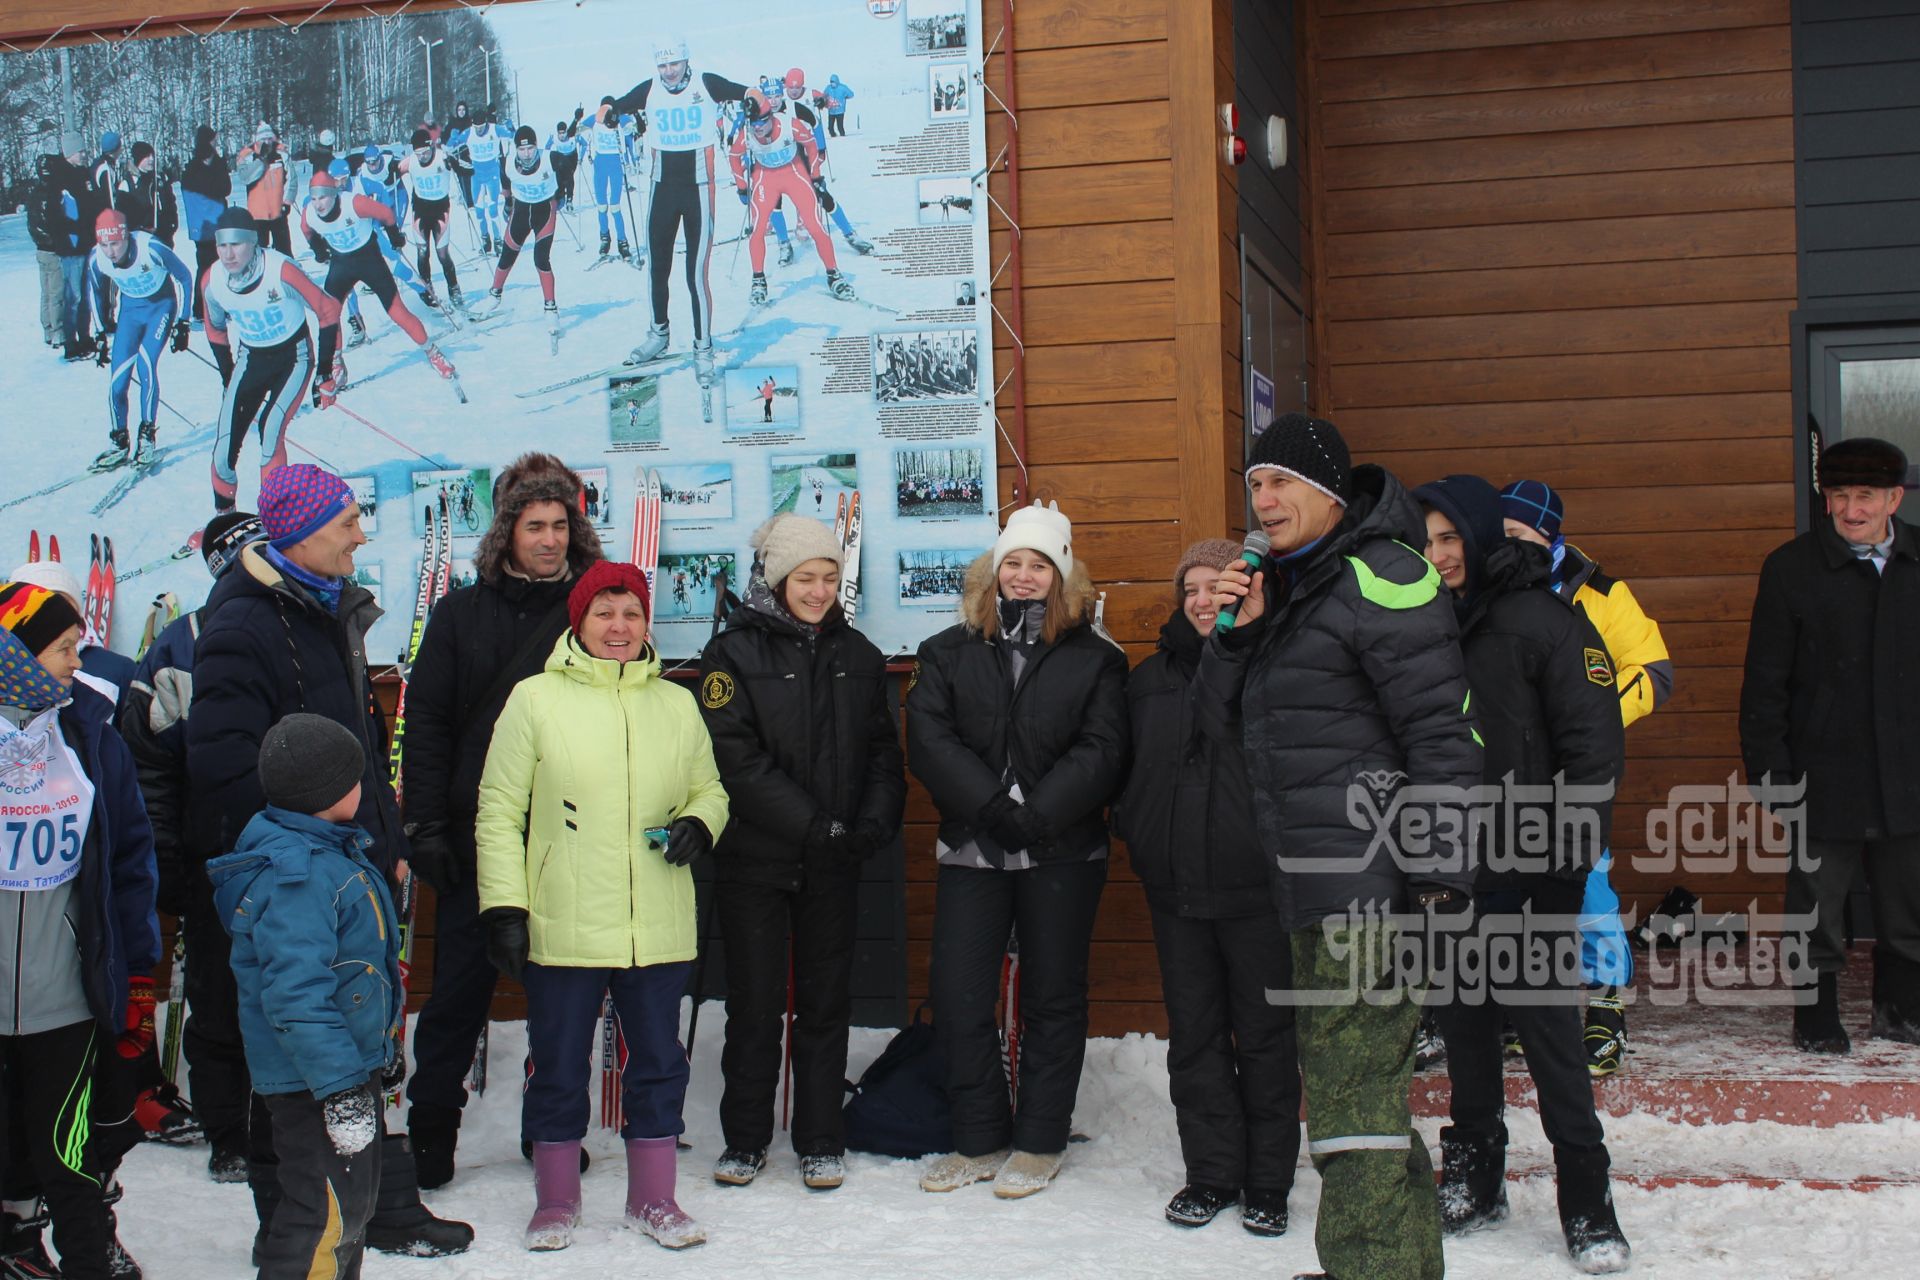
(1893, 874)
(50, 296)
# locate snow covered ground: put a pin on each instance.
(1101, 1218)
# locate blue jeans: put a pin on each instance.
(73, 298)
(563, 1024)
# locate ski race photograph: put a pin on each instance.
(959, 639)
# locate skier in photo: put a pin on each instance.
(602, 143)
(268, 301)
(485, 145)
(375, 177)
(147, 197)
(428, 181)
(809, 750)
(785, 163)
(154, 290)
(563, 149)
(530, 216)
(261, 168)
(322, 159)
(341, 231)
(836, 94)
(458, 130)
(766, 401)
(205, 185)
(680, 114)
(808, 108)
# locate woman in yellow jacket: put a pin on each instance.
(599, 790)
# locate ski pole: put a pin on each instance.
(786, 1080)
(379, 431)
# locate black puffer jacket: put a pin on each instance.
(1350, 689)
(1547, 704)
(1832, 692)
(1187, 811)
(1063, 730)
(801, 730)
(267, 649)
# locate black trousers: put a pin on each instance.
(1544, 1009)
(1818, 895)
(205, 254)
(675, 205)
(217, 1076)
(43, 1106)
(319, 1224)
(1052, 906)
(755, 924)
(1233, 1065)
(448, 1028)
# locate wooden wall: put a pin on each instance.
(1558, 236)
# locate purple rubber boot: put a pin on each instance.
(652, 1166)
(556, 1190)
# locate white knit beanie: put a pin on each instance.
(52, 575)
(1042, 529)
(788, 541)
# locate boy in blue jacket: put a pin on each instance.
(316, 960)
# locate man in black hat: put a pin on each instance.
(1830, 732)
(1343, 679)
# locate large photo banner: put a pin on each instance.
(741, 257)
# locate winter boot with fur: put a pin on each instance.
(1473, 1179)
(556, 1196)
(401, 1224)
(1896, 997)
(1816, 1026)
(652, 1167)
(435, 1132)
(1026, 1172)
(1594, 1239)
(953, 1171)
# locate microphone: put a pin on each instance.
(1252, 554)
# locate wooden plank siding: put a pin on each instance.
(1557, 241)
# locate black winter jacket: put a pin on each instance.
(1832, 689)
(39, 216)
(147, 200)
(1343, 693)
(801, 728)
(64, 183)
(1187, 811)
(460, 682)
(1063, 731)
(267, 649)
(1545, 698)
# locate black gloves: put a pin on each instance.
(1015, 826)
(826, 834)
(396, 237)
(507, 941)
(687, 839)
(322, 252)
(395, 1073)
(432, 856)
(353, 1119)
(181, 330)
(827, 202)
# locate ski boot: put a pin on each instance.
(356, 331)
(703, 361)
(653, 348)
(454, 299)
(786, 253)
(626, 251)
(552, 311)
(839, 286)
(441, 365)
(757, 293)
(859, 244)
(428, 296)
(147, 452)
(1606, 1035)
(114, 455)
(22, 1246)
(606, 245)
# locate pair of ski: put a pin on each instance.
(846, 531)
(96, 600)
(647, 503)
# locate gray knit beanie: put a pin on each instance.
(308, 762)
(1214, 553)
(788, 541)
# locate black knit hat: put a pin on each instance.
(1862, 460)
(226, 536)
(36, 616)
(308, 762)
(1308, 449)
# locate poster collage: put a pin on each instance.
(764, 278)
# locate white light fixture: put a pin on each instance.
(1276, 143)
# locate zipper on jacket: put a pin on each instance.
(626, 723)
(19, 945)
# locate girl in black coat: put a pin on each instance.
(796, 703)
(1187, 817)
(1017, 725)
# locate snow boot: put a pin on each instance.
(785, 256)
(1026, 1172)
(79, 349)
(659, 337)
(839, 286)
(114, 455)
(556, 1195)
(1429, 1047)
(1473, 1179)
(653, 1164)
(145, 454)
(356, 331)
(626, 251)
(953, 1171)
(1264, 1213)
(1816, 1026)
(1594, 1239)
(1896, 997)
(823, 1172)
(757, 291)
(227, 1164)
(859, 244)
(1195, 1205)
(435, 1132)
(703, 361)
(401, 1224)
(737, 1166)
(1606, 1036)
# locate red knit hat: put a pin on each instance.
(606, 575)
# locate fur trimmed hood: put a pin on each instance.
(979, 607)
(531, 478)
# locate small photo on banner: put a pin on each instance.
(811, 484)
(947, 91)
(763, 398)
(934, 484)
(946, 201)
(633, 409)
(684, 586)
(934, 579)
(596, 496)
(697, 491)
(469, 493)
(365, 494)
(926, 364)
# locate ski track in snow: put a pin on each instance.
(1101, 1218)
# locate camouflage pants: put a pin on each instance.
(1379, 1215)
